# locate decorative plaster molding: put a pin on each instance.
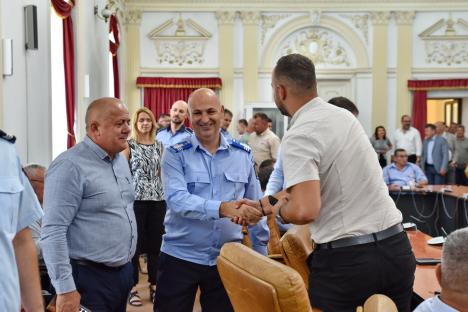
(251, 17)
(380, 18)
(226, 17)
(315, 17)
(361, 22)
(132, 17)
(269, 22)
(404, 17)
(317, 45)
(447, 48)
(180, 48)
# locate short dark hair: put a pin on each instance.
(244, 122)
(345, 103)
(403, 116)
(262, 116)
(227, 111)
(429, 125)
(163, 116)
(298, 69)
(461, 126)
(398, 150)
(264, 172)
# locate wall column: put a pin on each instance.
(404, 63)
(132, 53)
(226, 57)
(250, 20)
(1, 69)
(379, 67)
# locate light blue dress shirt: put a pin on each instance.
(167, 138)
(276, 184)
(88, 204)
(195, 183)
(19, 209)
(226, 134)
(434, 304)
(430, 148)
(410, 172)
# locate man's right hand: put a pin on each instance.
(68, 302)
(240, 213)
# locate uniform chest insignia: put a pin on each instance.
(179, 147)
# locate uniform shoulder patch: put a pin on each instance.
(7, 137)
(189, 130)
(240, 145)
(179, 147)
(160, 130)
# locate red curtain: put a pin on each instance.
(113, 47)
(160, 92)
(420, 88)
(63, 10)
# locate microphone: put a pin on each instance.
(443, 230)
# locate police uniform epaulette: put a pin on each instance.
(161, 129)
(179, 147)
(7, 137)
(239, 145)
(189, 130)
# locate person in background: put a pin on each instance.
(460, 157)
(264, 172)
(441, 130)
(176, 131)
(263, 141)
(144, 154)
(403, 173)
(381, 144)
(409, 139)
(164, 120)
(89, 229)
(242, 134)
(225, 123)
(453, 128)
(452, 274)
(19, 275)
(345, 103)
(270, 123)
(435, 156)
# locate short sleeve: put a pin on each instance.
(301, 159)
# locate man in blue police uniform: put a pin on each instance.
(19, 209)
(203, 179)
(225, 123)
(176, 132)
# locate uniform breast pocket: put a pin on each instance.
(10, 190)
(198, 183)
(235, 183)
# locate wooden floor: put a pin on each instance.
(143, 291)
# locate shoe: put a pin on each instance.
(134, 299)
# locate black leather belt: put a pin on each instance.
(96, 265)
(363, 239)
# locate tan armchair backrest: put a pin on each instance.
(256, 283)
(378, 303)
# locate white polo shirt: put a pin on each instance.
(327, 143)
(409, 140)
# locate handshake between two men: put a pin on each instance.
(249, 212)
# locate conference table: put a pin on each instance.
(425, 283)
(435, 209)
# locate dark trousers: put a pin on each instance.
(382, 160)
(149, 216)
(343, 278)
(103, 290)
(412, 158)
(178, 281)
(460, 177)
(433, 177)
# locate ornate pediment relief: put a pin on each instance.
(181, 42)
(446, 42)
(318, 45)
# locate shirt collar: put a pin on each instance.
(181, 129)
(303, 108)
(223, 144)
(393, 165)
(102, 154)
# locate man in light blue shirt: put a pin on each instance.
(89, 230)
(176, 132)
(403, 173)
(225, 123)
(452, 275)
(203, 179)
(19, 209)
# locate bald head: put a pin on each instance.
(206, 113)
(101, 109)
(203, 95)
(35, 174)
(179, 112)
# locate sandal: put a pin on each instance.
(134, 299)
(152, 292)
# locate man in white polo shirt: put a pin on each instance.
(334, 183)
(409, 139)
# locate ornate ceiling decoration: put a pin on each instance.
(446, 42)
(318, 45)
(179, 48)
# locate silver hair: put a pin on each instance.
(455, 260)
(34, 167)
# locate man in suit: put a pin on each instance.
(435, 156)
